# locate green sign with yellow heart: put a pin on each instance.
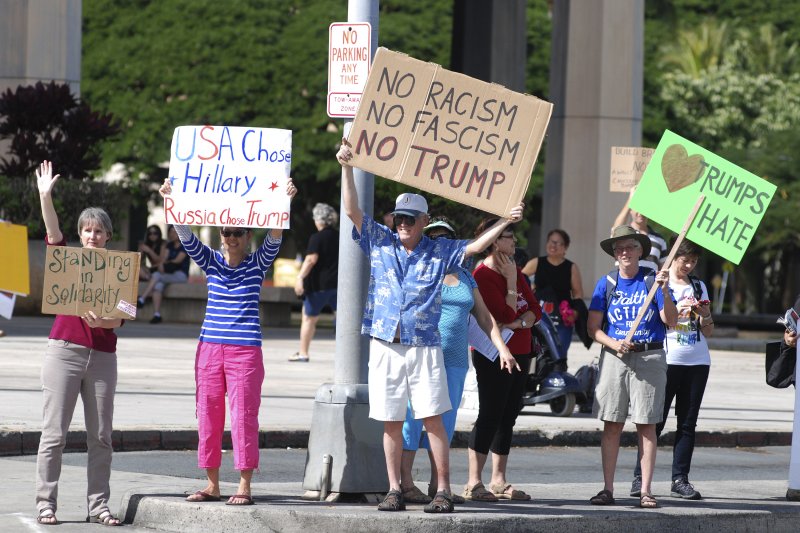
(735, 199)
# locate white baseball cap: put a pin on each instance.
(410, 204)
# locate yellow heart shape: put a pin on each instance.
(678, 168)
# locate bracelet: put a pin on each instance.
(704, 324)
(510, 291)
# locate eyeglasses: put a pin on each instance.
(232, 232)
(509, 236)
(408, 220)
(557, 244)
(629, 249)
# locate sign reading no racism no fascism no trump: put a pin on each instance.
(735, 199)
(229, 176)
(446, 133)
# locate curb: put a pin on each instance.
(27, 442)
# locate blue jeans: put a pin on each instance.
(565, 338)
(686, 385)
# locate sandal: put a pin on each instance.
(414, 495)
(393, 501)
(47, 517)
(604, 497)
(248, 499)
(458, 500)
(297, 358)
(105, 518)
(202, 496)
(441, 503)
(647, 501)
(502, 492)
(478, 493)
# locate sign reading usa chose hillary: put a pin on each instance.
(229, 176)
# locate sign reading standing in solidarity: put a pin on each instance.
(77, 280)
(349, 58)
(229, 176)
(446, 133)
(735, 199)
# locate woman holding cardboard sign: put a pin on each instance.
(80, 359)
(229, 358)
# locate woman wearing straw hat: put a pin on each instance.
(633, 374)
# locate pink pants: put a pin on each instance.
(239, 371)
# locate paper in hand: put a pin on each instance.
(789, 320)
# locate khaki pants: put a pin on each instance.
(69, 370)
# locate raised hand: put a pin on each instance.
(45, 181)
(344, 155)
(506, 266)
(291, 190)
(516, 213)
(165, 189)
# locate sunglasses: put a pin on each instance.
(443, 235)
(232, 232)
(408, 220)
(509, 236)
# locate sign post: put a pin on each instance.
(349, 60)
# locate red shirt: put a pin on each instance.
(73, 329)
(492, 286)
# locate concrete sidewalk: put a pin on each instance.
(154, 406)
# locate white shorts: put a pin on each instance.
(402, 376)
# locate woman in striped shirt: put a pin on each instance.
(229, 357)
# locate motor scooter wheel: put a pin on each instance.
(563, 405)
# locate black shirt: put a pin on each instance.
(324, 275)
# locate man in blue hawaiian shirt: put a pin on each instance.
(402, 316)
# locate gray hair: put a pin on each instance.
(98, 215)
(325, 214)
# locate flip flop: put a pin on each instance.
(248, 500)
(201, 496)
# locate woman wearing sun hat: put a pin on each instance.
(633, 374)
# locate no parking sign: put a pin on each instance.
(349, 59)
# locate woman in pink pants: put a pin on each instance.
(228, 358)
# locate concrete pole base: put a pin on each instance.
(341, 429)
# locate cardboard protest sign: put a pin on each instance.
(14, 259)
(735, 199)
(446, 133)
(229, 176)
(628, 163)
(77, 280)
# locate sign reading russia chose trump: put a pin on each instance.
(229, 176)
(446, 133)
(735, 199)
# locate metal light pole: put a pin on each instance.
(345, 447)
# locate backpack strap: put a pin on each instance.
(697, 289)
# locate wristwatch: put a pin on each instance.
(524, 324)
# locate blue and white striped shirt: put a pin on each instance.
(233, 293)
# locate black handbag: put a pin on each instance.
(780, 364)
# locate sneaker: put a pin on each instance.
(681, 488)
(139, 303)
(636, 487)
(297, 358)
(156, 319)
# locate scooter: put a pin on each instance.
(549, 381)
